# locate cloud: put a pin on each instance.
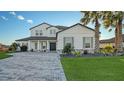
(30, 21)
(12, 13)
(20, 17)
(4, 18)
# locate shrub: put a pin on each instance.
(85, 52)
(67, 49)
(76, 53)
(24, 48)
(109, 49)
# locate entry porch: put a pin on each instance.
(42, 45)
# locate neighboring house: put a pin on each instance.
(109, 42)
(46, 37)
(3, 47)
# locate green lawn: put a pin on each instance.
(97, 68)
(4, 55)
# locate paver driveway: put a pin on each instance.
(32, 66)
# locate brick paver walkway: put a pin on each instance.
(32, 66)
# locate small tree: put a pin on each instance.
(67, 49)
(13, 47)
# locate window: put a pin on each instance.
(37, 33)
(68, 40)
(87, 42)
(41, 33)
(50, 31)
(54, 31)
(35, 45)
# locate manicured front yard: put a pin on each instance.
(4, 55)
(97, 68)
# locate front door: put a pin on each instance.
(52, 46)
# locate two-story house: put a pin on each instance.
(46, 37)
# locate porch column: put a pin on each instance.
(29, 45)
(38, 47)
(48, 46)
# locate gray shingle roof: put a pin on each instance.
(107, 40)
(59, 27)
(37, 38)
(39, 25)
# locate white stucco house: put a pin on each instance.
(45, 37)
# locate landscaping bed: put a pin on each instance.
(94, 68)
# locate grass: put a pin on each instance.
(4, 55)
(94, 69)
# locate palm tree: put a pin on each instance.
(113, 19)
(94, 17)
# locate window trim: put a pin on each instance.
(36, 32)
(51, 31)
(91, 42)
(41, 32)
(72, 41)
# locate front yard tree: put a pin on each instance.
(13, 47)
(94, 17)
(114, 20)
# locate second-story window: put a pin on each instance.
(53, 31)
(37, 33)
(41, 33)
(50, 31)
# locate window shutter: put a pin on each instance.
(91, 42)
(83, 42)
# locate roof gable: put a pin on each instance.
(74, 26)
(39, 25)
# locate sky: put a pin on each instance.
(16, 24)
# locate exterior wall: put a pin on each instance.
(49, 31)
(39, 28)
(45, 31)
(77, 32)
